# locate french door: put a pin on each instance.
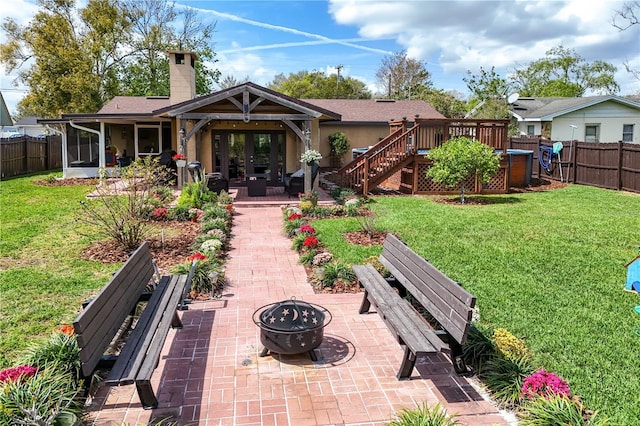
(242, 155)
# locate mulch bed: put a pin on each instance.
(172, 251)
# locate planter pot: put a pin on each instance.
(66, 419)
(181, 163)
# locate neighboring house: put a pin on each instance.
(240, 132)
(607, 118)
(6, 123)
(29, 126)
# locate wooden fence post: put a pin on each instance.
(619, 165)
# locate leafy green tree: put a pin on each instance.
(66, 57)
(446, 103)
(488, 94)
(461, 158)
(564, 73)
(75, 59)
(401, 76)
(318, 85)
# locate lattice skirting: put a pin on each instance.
(472, 186)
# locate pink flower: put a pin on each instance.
(16, 374)
(544, 383)
(160, 213)
(307, 229)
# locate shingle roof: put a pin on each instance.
(550, 107)
(5, 117)
(28, 121)
(376, 110)
(134, 105)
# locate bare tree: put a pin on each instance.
(400, 75)
(624, 19)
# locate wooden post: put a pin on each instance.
(620, 151)
(365, 178)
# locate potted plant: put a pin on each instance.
(339, 146)
(180, 159)
(310, 156)
(308, 200)
(224, 199)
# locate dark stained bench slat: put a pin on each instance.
(404, 322)
(449, 303)
(104, 316)
(100, 320)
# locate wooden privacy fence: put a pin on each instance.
(27, 155)
(613, 165)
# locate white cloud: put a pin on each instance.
(456, 36)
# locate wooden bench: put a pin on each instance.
(110, 313)
(445, 300)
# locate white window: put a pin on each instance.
(592, 133)
(627, 133)
(531, 129)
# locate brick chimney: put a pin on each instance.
(182, 76)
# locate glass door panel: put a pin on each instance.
(237, 164)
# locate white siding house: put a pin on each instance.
(591, 119)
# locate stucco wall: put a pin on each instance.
(359, 136)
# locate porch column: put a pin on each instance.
(307, 146)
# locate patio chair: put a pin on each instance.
(293, 185)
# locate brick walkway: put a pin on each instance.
(210, 372)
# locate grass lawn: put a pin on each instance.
(42, 280)
(548, 266)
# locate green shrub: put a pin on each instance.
(215, 211)
(338, 146)
(478, 349)
(504, 377)
(219, 223)
(298, 242)
(424, 416)
(291, 226)
(375, 262)
(334, 271)
(205, 277)
(306, 258)
(60, 350)
(460, 159)
(180, 213)
(196, 194)
(224, 198)
(508, 345)
(122, 211)
(558, 411)
(39, 399)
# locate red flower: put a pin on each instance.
(160, 213)
(66, 329)
(295, 216)
(310, 242)
(197, 256)
(179, 157)
(15, 374)
(307, 229)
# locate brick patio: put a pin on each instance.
(210, 372)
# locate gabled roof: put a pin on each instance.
(261, 99)
(546, 109)
(377, 110)
(5, 117)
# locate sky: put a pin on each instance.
(261, 39)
